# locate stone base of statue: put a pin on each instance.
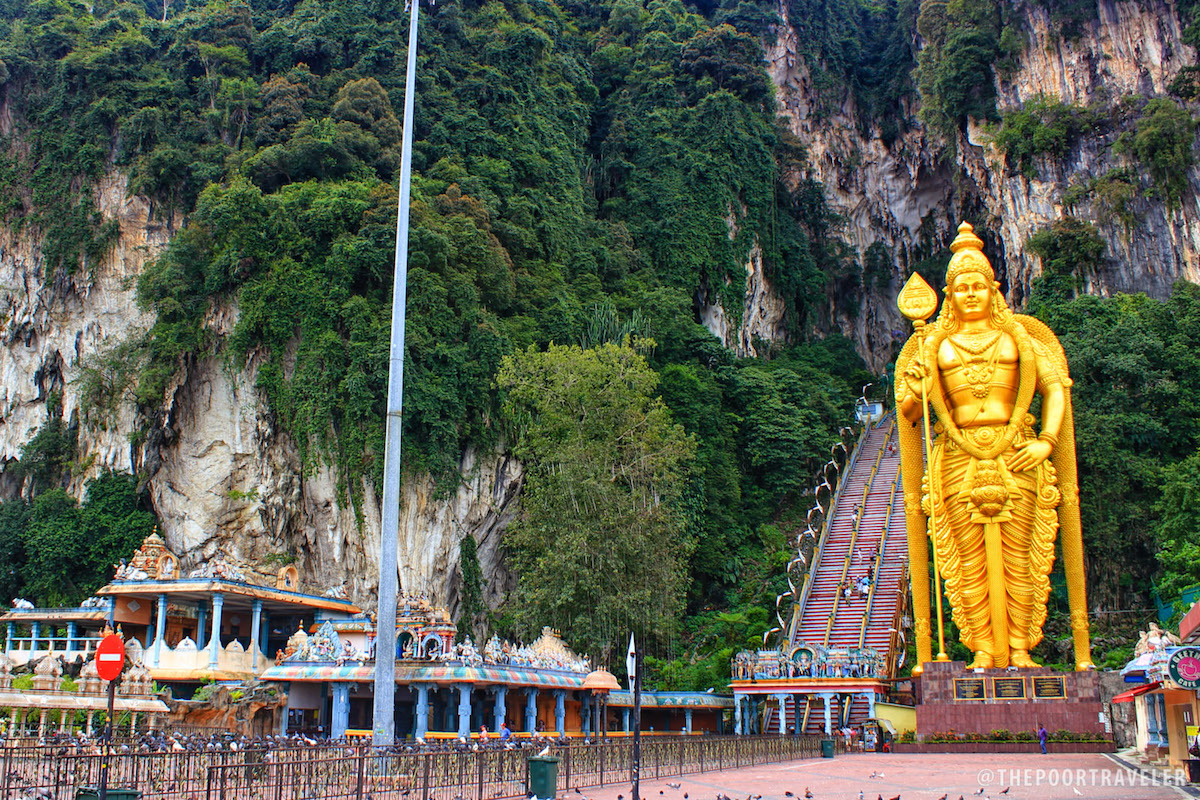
(952, 698)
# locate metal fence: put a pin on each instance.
(363, 773)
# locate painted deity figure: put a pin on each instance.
(991, 492)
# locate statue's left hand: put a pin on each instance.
(1029, 455)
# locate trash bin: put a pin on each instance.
(1193, 768)
(543, 776)
(93, 793)
(827, 748)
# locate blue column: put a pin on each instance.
(214, 642)
(687, 720)
(531, 709)
(586, 709)
(201, 625)
(499, 711)
(422, 726)
(625, 720)
(870, 705)
(255, 627)
(737, 714)
(265, 634)
(1163, 725)
(12, 631)
(560, 711)
(160, 628)
(464, 710)
(72, 632)
(341, 711)
(112, 611)
(35, 630)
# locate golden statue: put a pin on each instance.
(998, 489)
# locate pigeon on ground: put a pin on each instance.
(1005, 790)
(674, 785)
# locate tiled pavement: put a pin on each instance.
(917, 777)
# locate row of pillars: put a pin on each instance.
(745, 711)
(19, 719)
(259, 623)
(259, 626)
(594, 710)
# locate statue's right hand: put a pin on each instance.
(918, 381)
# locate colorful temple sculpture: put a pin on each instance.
(232, 625)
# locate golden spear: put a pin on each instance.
(918, 302)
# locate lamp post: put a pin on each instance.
(383, 730)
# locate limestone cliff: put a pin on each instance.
(223, 478)
(908, 195)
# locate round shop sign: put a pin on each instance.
(1184, 667)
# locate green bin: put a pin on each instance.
(543, 776)
(827, 748)
(92, 793)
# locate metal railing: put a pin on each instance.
(355, 773)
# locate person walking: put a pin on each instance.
(1042, 737)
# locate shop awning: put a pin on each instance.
(1128, 695)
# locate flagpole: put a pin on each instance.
(384, 723)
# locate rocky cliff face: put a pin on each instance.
(223, 479)
(909, 197)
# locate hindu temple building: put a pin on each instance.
(229, 625)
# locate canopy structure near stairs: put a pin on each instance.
(842, 646)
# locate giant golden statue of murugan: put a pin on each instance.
(999, 486)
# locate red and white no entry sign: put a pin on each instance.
(110, 657)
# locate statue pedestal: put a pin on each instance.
(952, 698)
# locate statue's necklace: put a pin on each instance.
(977, 369)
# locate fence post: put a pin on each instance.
(208, 780)
(479, 761)
(603, 748)
(425, 774)
(359, 767)
(567, 771)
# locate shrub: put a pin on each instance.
(1044, 127)
(1069, 249)
(1162, 143)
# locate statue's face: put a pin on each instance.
(971, 296)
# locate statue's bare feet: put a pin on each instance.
(1084, 666)
(1020, 658)
(983, 660)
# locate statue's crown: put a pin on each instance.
(968, 256)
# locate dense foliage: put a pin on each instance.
(589, 177)
(1135, 363)
(583, 171)
(55, 551)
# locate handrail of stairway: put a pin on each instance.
(887, 526)
(798, 603)
(854, 533)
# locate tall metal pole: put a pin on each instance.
(637, 725)
(384, 727)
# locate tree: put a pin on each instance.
(1179, 526)
(599, 547)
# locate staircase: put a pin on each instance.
(875, 534)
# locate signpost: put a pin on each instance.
(110, 661)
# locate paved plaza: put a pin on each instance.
(919, 777)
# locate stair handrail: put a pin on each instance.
(854, 532)
(887, 526)
(798, 603)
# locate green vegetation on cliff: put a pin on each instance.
(582, 170)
